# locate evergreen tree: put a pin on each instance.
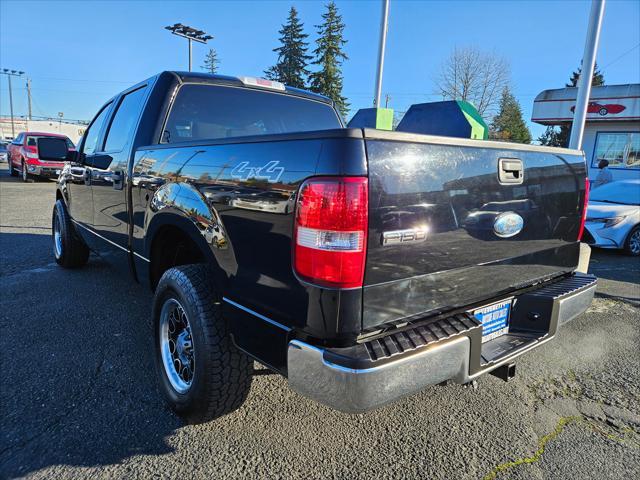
(291, 68)
(508, 124)
(211, 61)
(329, 57)
(560, 138)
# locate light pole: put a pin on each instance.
(191, 34)
(11, 73)
(586, 73)
(381, 48)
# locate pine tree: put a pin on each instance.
(560, 138)
(329, 56)
(508, 124)
(211, 61)
(291, 68)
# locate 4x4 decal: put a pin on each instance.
(270, 172)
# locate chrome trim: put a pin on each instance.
(256, 314)
(358, 390)
(107, 240)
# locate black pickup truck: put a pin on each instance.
(362, 265)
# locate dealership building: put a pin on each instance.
(612, 131)
(73, 130)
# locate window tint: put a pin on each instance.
(620, 149)
(92, 133)
(124, 121)
(207, 112)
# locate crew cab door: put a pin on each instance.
(109, 172)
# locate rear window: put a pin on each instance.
(33, 141)
(209, 112)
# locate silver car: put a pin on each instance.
(613, 216)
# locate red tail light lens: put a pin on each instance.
(583, 218)
(330, 232)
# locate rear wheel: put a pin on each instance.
(632, 245)
(202, 374)
(68, 249)
(12, 171)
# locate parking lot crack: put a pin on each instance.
(560, 426)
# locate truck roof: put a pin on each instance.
(197, 77)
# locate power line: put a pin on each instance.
(620, 56)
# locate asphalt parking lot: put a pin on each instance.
(78, 396)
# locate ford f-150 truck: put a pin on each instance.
(362, 265)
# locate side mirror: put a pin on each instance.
(53, 149)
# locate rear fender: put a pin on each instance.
(181, 205)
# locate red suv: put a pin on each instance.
(23, 156)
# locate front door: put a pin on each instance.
(78, 175)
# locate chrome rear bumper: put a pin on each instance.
(378, 372)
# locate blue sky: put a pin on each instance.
(78, 54)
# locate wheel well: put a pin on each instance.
(171, 247)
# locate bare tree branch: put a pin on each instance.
(474, 76)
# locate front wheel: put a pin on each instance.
(25, 172)
(201, 373)
(68, 249)
(12, 171)
(632, 245)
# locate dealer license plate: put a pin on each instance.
(494, 319)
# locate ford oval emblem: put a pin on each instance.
(508, 224)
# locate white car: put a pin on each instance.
(613, 216)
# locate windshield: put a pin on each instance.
(627, 193)
(207, 112)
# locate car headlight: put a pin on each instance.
(607, 222)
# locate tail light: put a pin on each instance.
(331, 231)
(583, 218)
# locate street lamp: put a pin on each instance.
(11, 73)
(190, 34)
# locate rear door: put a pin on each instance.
(109, 171)
(447, 231)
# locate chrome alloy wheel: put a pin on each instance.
(57, 236)
(634, 242)
(176, 345)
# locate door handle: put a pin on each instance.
(510, 171)
(117, 178)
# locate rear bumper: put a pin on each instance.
(382, 370)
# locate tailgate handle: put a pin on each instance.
(510, 171)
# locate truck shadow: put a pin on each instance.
(78, 382)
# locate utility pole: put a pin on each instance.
(11, 73)
(586, 73)
(381, 48)
(191, 34)
(29, 97)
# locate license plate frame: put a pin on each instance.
(494, 318)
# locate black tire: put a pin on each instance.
(603, 111)
(68, 248)
(631, 246)
(12, 171)
(221, 374)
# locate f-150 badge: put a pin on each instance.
(270, 172)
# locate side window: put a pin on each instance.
(124, 121)
(93, 132)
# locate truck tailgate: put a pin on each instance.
(442, 222)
